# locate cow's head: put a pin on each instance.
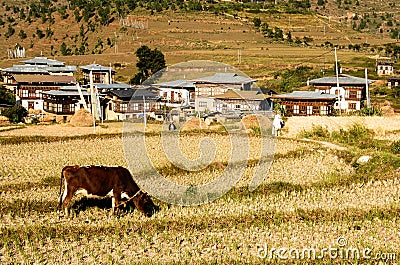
(144, 204)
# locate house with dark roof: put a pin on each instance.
(100, 74)
(351, 93)
(65, 101)
(125, 104)
(307, 103)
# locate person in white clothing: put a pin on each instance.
(277, 125)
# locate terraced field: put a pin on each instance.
(313, 200)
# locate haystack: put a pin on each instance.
(82, 118)
(257, 121)
(387, 111)
(194, 124)
(4, 120)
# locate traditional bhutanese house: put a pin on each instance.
(236, 100)
(100, 74)
(65, 101)
(393, 81)
(29, 88)
(36, 66)
(306, 103)
(219, 83)
(131, 103)
(178, 93)
(208, 87)
(351, 92)
(384, 67)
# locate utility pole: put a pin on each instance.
(116, 42)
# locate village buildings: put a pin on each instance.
(50, 86)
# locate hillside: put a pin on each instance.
(80, 32)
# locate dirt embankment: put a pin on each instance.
(379, 124)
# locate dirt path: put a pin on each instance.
(326, 144)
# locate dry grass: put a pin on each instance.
(311, 196)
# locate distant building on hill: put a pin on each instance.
(384, 67)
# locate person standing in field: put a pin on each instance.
(277, 124)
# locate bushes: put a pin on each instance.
(395, 147)
(15, 114)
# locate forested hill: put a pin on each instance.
(80, 27)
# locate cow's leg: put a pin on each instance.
(66, 200)
(116, 199)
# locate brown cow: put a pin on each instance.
(102, 181)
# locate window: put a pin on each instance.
(25, 93)
(324, 110)
(359, 94)
(72, 107)
(202, 104)
(353, 94)
(309, 110)
(38, 94)
(296, 109)
(59, 107)
(123, 107)
(352, 106)
(237, 106)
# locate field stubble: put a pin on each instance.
(301, 204)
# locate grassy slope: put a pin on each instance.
(193, 36)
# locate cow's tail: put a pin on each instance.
(61, 184)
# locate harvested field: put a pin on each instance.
(312, 197)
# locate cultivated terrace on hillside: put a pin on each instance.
(94, 27)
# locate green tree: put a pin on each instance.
(10, 31)
(150, 62)
(15, 114)
(64, 49)
(257, 22)
(6, 97)
(22, 34)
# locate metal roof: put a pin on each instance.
(176, 84)
(343, 80)
(96, 68)
(26, 69)
(306, 95)
(225, 78)
(66, 91)
(43, 61)
(39, 69)
(112, 86)
(235, 94)
(135, 94)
